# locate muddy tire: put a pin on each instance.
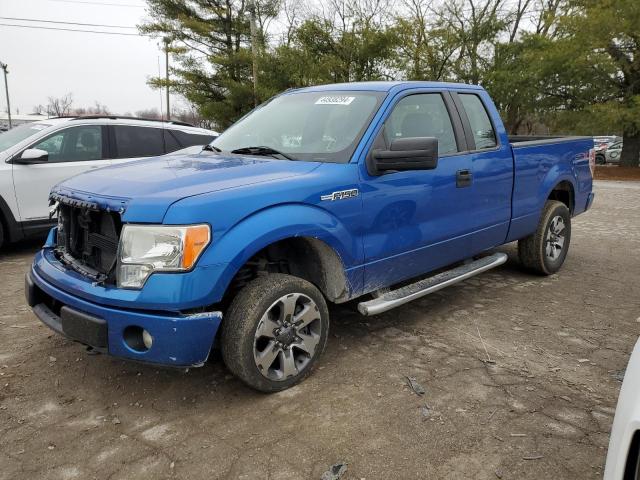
(274, 332)
(545, 250)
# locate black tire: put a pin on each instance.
(2, 239)
(245, 315)
(535, 250)
(601, 160)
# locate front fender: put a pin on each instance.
(270, 225)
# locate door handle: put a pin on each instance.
(464, 178)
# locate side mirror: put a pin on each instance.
(33, 155)
(413, 153)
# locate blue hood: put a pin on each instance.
(145, 189)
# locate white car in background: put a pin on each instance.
(623, 457)
(613, 153)
(601, 144)
(36, 156)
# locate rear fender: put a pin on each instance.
(529, 201)
(556, 175)
(552, 180)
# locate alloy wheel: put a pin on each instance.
(287, 336)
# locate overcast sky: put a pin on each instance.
(110, 69)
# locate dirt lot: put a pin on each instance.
(615, 172)
(540, 408)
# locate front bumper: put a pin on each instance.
(178, 340)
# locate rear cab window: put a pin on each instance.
(481, 127)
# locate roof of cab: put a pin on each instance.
(387, 86)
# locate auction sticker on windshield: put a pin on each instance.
(335, 100)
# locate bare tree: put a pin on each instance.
(99, 109)
(521, 10)
(151, 113)
(548, 11)
(291, 10)
(61, 106)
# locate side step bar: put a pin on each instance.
(402, 295)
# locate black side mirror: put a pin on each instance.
(31, 156)
(414, 153)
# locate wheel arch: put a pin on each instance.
(564, 192)
(308, 258)
(313, 242)
(12, 229)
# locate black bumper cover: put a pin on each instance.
(67, 321)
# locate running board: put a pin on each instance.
(402, 295)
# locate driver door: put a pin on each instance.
(71, 151)
(418, 220)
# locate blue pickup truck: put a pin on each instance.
(383, 191)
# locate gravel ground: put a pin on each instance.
(521, 375)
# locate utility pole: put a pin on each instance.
(166, 59)
(254, 49)
(4, 67)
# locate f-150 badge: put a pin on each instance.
(341, 195)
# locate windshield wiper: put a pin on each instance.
(261, 151)
(211, 148)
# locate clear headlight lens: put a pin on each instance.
(146, 249)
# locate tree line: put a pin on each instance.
(551, 66)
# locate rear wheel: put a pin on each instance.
(600, 159)
(274, 332)
(545, 250)
(2, 237)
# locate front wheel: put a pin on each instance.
(545, 250)
(274, 332)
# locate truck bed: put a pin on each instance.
(541, 163)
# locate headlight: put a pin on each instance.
(159, 248)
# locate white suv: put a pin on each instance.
(36, 156)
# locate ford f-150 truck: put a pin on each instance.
(385, 190)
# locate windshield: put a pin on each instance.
(315, 126)
(11, 137)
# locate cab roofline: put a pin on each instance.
(384, 86)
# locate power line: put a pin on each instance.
(129, 5)
(73, 30)
(66, 23)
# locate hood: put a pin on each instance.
(145, 189)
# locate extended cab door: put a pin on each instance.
(72, 150)
(491, 168)
(418, 220)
